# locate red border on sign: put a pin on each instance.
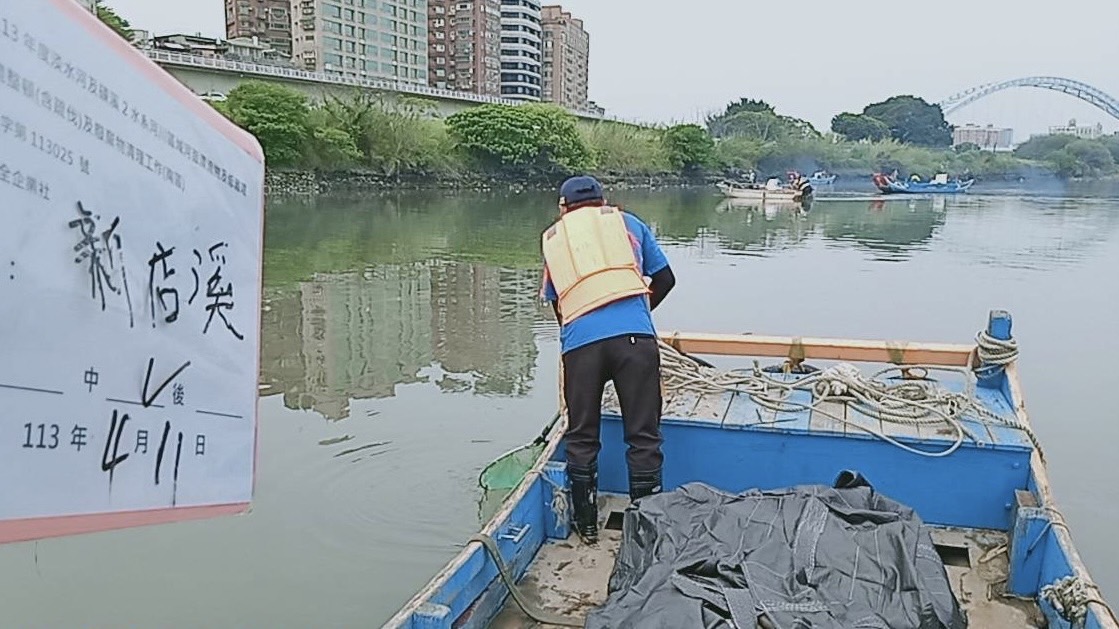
(29, 529)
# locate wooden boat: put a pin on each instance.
(985, 498)
(761, 193)
(939, 185)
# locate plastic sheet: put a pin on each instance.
(807, 556)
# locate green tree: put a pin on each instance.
(1043, 146)
(912, 120)
(394, 134)
(756, 119)
(276, 115)
(689, 147)
(1093, 155)
(327, 145)
(764, 126)
(527, 138)
(858, 127)
(749, 105)
(1111, 143)
(114, 21)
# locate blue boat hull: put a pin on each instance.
(996, 484)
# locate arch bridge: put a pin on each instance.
(1083, 91)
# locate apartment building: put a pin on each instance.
(267, 20)
(384, 39)
(521, 42)
(464, 45)
(566, 56)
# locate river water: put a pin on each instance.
(403, 349)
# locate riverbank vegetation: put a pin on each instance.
(540, 143)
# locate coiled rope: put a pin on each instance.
(995, 354)
(1071, 596)
(912, 402)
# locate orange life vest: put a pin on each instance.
(590, 260)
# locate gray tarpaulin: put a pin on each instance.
(807, 556)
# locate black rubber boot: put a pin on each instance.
(584, 501)
(644, 484)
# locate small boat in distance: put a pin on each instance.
(821, 178)
(770, 192)
(938, 185)
(886, 459)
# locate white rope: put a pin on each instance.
(994, 354)
(1071, 596)
(909, 402)
(559, 504)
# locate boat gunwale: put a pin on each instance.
(852, 350)
(1063, 536)
(519, 493)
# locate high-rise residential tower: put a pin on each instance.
(267, 20)
(521, 40)
(566, 56)
(385, 39)
(464, 45)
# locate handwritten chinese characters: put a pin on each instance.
(95, 248)
(99, 250)
(127, 432)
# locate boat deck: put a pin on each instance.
(569, 578)
(736, 410)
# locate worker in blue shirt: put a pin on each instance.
(604, 273)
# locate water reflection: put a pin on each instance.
(363, 296)
(346, 336)
(381, 309)
(888, 228)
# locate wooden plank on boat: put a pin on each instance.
(896, 352)
(907, 431)
(856, 419)
(713, 407)
(821, 422)
(996, 402)
(767, 418)
(978, 429)
(741, 412)
(681, 405)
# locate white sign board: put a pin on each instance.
(130, 274)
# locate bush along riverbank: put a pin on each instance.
(367, 142)
(295, 182)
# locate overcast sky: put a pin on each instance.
(666, 60)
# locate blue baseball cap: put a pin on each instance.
(580, 189)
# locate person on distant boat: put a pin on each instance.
(604, 304)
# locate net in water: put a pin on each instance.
(507, 471)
